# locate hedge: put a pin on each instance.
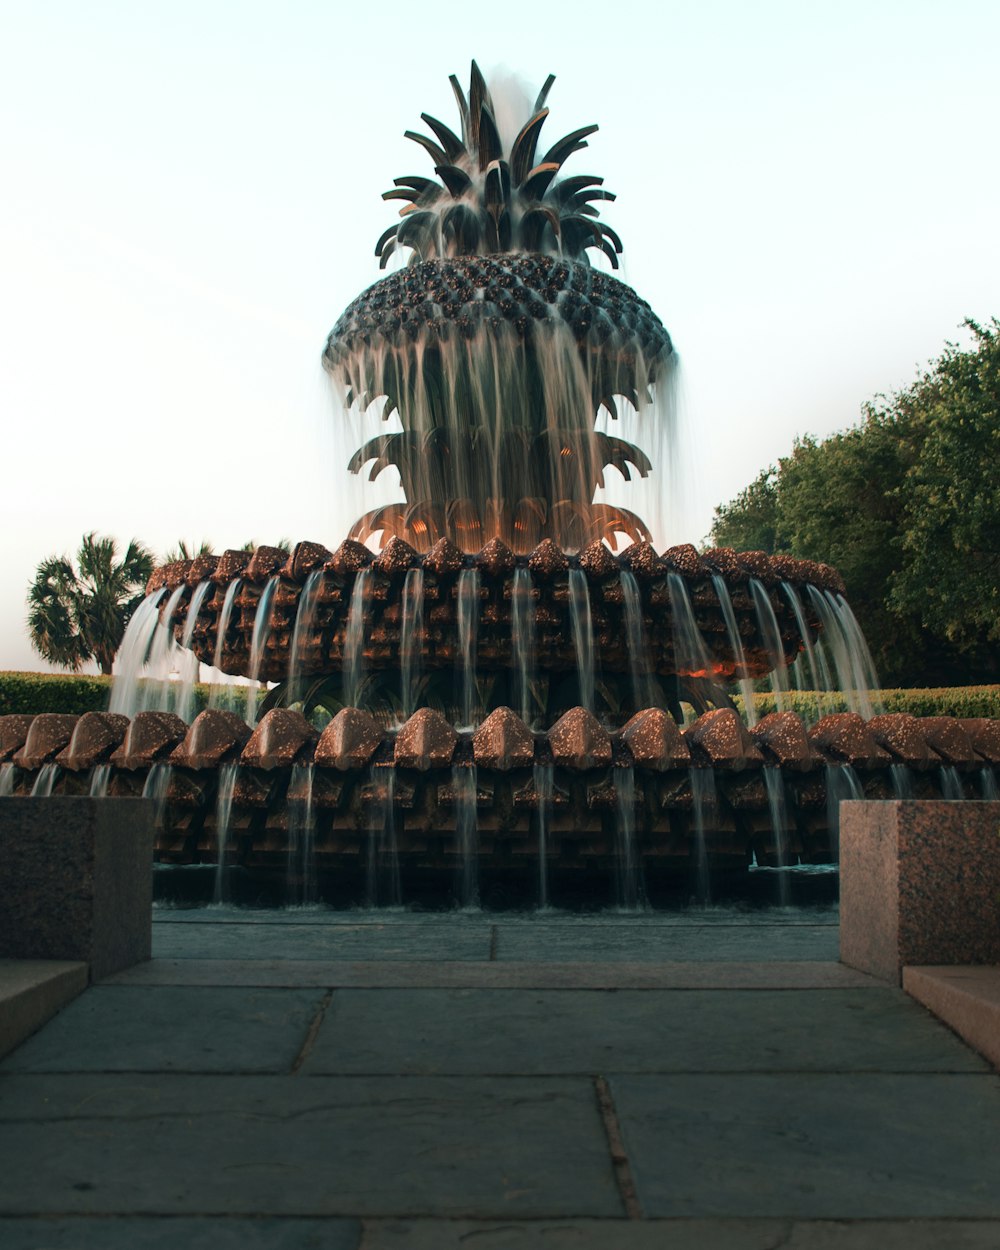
(59, 692)
(52, 692)
(960, 701)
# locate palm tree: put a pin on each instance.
(80, 614)
(187, 551)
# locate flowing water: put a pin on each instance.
(382, 867)
(951, 783)
(775, 786)
(226, 786)
(354, 640)
(467, 834)
(6, 780)
(522, 617)
(628, 878)
(411, 634)
(184, 693)
(542, 778)
(841, 783)
(635, 638)
(221, 683)
(131, 659)
(767, 625)
(987, 783)
(99, 779)
(735, 646)
(155, 787)
(301, 877)
(468, 624)
(45, 781)
(704, 812)
(902, 781)
(690, 656)
(261, 633)
(583, 635)
(305, 618)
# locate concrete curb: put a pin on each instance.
(966, 998)
(31, 992)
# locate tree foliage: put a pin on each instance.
(907, 506)
(79, 613)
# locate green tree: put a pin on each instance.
(76, 614)
(907, 506)
(950, 571)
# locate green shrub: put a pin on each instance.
(59, 692)
(960, 701)
(52, 692)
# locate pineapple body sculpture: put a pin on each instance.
(499, 349)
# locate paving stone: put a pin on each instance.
(179, 1233)
(831, 1146)
(321, 941)
(470, 1147)
(682, 1235)
(481, 1031)
(173, 1029)
(470, 974)
(652, 944)
(31, 992)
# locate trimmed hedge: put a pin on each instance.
(56, 692)
(960, 701)
(52, 692)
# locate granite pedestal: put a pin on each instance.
(76, 880)
(919, 884)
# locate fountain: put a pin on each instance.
(503, 676)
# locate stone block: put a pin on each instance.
(919, 884)
(76, 880)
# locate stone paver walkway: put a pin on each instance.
(399, 1082)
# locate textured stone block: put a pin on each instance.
(76, 880)
(919, 884)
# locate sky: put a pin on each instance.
(807, 194)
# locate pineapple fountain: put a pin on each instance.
(497, 678)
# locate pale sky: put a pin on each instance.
(807, 193)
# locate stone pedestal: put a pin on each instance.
(919, 884)
(76, 880)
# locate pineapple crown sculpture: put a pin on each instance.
(500, 351)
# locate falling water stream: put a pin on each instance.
(305, 618)
(635, 638)
(736, 646)
(411, 633)
(775, 786)
(583, 635)
(467, 834)
(628, 881)
(223, 813)
(184, 701)
(382, 862)
(523, 642)
(468, 623)
(767, 624)
(221, 683)
(301, 836)
(705, 807)
(133, 654)
(354, 640)
(45, 781)
(542, 778)
(841, 783)
(261, 633)
(6, 780)
(99, 779)
(951, 783)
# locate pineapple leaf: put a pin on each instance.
(450, 141)
(522, 153)
(543, 95)
(456, 180)
(561, 151)
(437, 155)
